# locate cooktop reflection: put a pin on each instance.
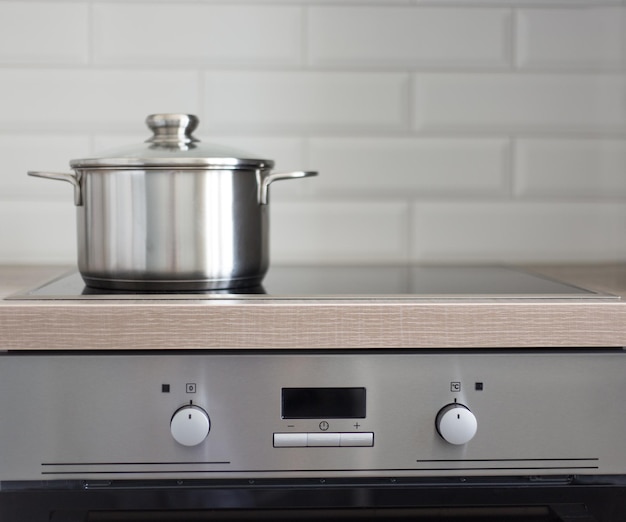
(409, 282)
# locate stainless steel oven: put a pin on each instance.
(532, 434)
(525, 435)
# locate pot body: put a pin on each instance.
(171, 229)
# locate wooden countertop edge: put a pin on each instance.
(288, 324)
(315, 325)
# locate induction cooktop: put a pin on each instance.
(404, 282)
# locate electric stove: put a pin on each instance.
(406, 282)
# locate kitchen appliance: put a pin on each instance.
(168, 434)
(361, 282)
(172, 213)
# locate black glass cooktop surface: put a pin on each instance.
(352, 282)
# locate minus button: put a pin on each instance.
(290, 440)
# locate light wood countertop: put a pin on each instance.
(315, 324)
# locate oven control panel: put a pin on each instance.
(207, 415)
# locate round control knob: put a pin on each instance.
(190, 425)
(456, 424)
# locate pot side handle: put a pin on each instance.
(74, 179)
(270, 178)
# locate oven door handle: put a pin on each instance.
(563, 512)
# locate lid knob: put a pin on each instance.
(172, 129)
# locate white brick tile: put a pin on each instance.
(386, 166)
(339, 231)
(305, 100)
(69, 99)
(512, 102)
(105, 143)
(392, 36)
(571, 38)
(527, 3)
(46, 232)
(44, 33)
(333, 2)
(289, 2)
(518, 232)
(570, 168)
(183, 33)
(47, 152)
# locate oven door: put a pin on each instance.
(570, 499)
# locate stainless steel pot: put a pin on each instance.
(172, 215)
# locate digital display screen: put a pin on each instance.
(323, 403)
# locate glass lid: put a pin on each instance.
(173, 145)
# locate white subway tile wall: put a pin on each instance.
(444, 131)
(571, 39)
(186, 34)
(344, 36)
